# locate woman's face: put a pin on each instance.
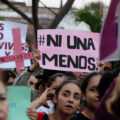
(3, 102)
(91, 95)
(68, 99)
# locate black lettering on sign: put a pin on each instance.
(91, 63)
(1, 45)
(91, 44)
(82, 62)
(1, 29)
(7, 53)
(10, 45)
(81, 43)
(1, 36)
(20, 57)
(62, 60)
(53, 58)
(71, 61)
(6, 45)
(56, 42)
(68, 43)
(1, 26)
(85, 44)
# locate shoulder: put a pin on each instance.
(40, 115)
(79, 116)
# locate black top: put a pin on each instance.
(79, 116)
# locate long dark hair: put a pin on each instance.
(87, 79)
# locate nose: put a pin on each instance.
(71, 99)
(97, 94)
(1, 108)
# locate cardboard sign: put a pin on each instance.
(109, 43)
(19, 102)
(18, 57)
(17, 50)
(68, 50)
(7, 43)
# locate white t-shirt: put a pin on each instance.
(46, 110)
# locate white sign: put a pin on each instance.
(6, 41)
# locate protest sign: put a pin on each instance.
(68, 50)
(17, 50)
(19, 102)
(7, 43)
(18, 57)
(110, 43)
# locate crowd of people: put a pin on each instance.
(58, 95)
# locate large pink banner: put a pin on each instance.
(68, 50)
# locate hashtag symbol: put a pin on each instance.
(41, 40)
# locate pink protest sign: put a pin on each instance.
(109, 44)
(68, 50)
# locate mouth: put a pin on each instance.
(97, 101)
(69, 107)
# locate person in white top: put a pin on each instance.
(53, 82)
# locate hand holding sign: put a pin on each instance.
(36, 58)
(32, 113)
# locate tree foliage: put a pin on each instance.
(1, 18)
(92, 15)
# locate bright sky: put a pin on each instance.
(56, 3)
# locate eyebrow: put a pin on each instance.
(67, 91)
(93, 86)
(76, 93)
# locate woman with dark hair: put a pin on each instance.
(8, 76)
(108, 108)
(53, 82)
(67, 101)
(90, 96)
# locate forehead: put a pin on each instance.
(94, 81)
(108, 64)
(33, 78)
(58, 81)
(73, 88)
